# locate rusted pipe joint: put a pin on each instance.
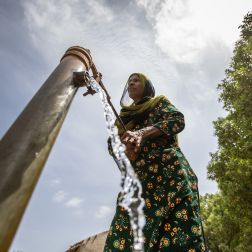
(82, 53)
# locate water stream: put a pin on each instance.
(131, 188)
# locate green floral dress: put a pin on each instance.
(170, 192)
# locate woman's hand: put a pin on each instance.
(132, 141)
(130, 151)
(134, 138)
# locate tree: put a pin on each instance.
(219, 226)
(231, 164)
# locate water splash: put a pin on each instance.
(131, 191)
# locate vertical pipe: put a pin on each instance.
(26, 145)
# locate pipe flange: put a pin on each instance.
(82, 53)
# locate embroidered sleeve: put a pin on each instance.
(172, 121)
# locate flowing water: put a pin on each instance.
(131, 189)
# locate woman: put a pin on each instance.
(169, 184)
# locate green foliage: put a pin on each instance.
(220, 229)
(228, 214)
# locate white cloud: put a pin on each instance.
(78, 212)
(59, 196)
(55, 182)
(74, 202)
(104, 212)
(99, 11)
(56, 26)
(176, 31)
(184, 28)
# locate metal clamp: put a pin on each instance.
(83, 79)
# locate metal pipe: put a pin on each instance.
(26, 145)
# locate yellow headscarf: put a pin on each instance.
(136, 113)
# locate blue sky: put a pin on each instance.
(182, 46)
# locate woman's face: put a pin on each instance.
(135, 88)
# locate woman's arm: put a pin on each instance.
(171, 123)
(140, 135)
(172, 120)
